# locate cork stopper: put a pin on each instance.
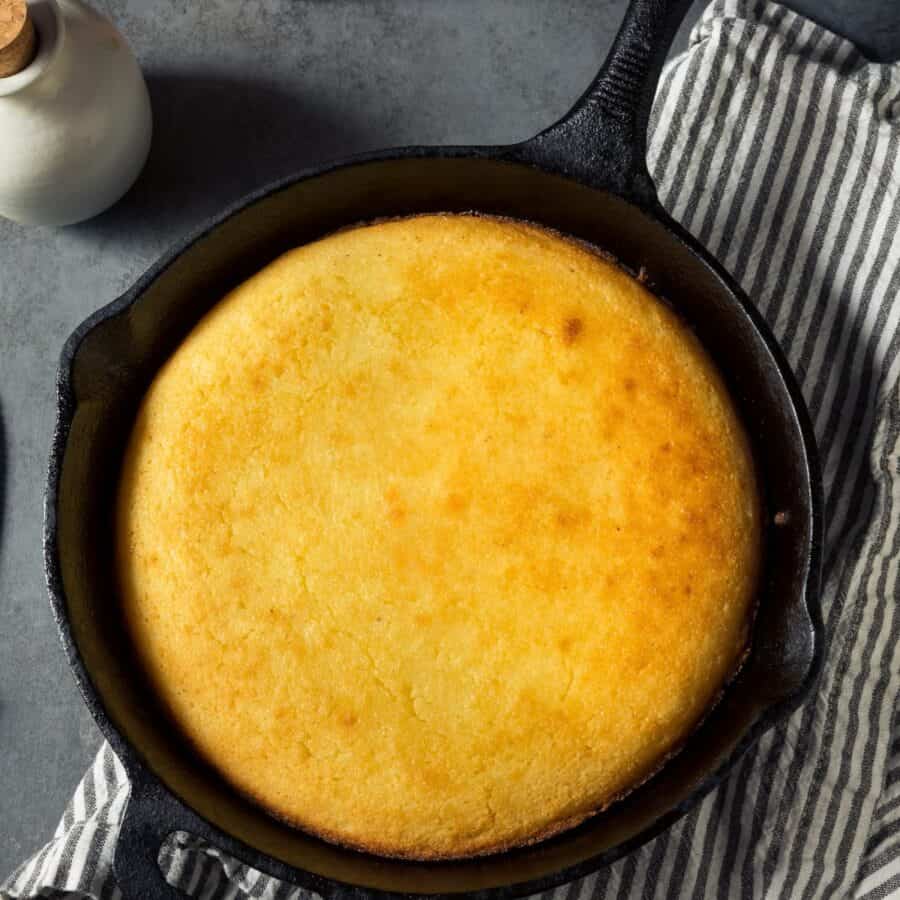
(18, 41)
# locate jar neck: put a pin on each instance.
(50, 28)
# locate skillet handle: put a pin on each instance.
(602, 140)
(151, 815)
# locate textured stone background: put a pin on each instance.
(243, 93)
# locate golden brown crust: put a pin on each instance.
(438, 536)
(551, 830)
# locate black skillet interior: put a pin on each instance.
(585, 177)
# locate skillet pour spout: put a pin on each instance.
(586, 176)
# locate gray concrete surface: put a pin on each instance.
(243, 93)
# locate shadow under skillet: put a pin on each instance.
(216, 138)
(873, 25)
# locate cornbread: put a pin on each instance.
(438, 535)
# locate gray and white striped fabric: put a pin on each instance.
(776, 144)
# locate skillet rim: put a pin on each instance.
(809, 574)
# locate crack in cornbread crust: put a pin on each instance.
(438, 535)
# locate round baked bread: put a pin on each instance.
(438, 535)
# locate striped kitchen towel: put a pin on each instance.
(776, 144)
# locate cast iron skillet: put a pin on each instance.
(585, 176)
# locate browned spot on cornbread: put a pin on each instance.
(572, 328)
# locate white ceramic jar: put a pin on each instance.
(75, 124)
